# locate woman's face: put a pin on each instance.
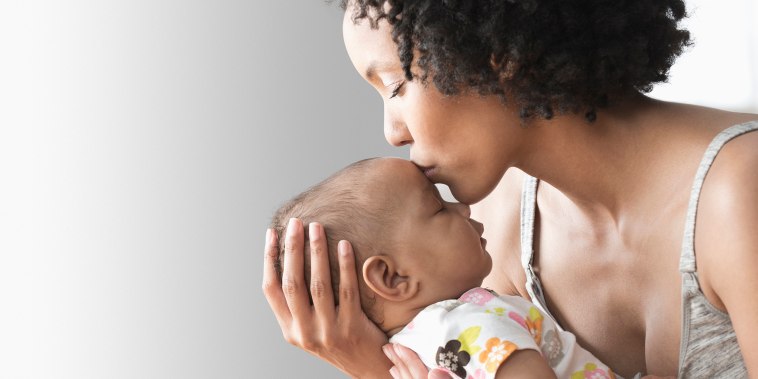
(465, 141)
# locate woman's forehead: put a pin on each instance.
(370, 49)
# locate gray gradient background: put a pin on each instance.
(144, 146)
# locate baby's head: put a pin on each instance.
(411, 247)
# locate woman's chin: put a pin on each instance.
(466, 194)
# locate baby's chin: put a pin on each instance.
(485, 272)
(488, 269)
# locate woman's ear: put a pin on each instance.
(381, 275)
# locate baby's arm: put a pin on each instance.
(525, 364)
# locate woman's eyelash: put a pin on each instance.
(396, 90)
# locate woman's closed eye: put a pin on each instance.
(396, 87)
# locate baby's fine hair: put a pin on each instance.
(340, 205)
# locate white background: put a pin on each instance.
(145, 144)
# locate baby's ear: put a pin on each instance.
(381, 275)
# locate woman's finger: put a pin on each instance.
(321, 280)
(272, 286)
(413, 365)
(407, 364)
(293, 281)
(350, 304)
(439, 374)
(396, 371)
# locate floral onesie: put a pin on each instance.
(472, 336)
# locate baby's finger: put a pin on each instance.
(272, 286)
(321, 280)
(293, 281)
(350, 304)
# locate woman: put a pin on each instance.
(532, 111)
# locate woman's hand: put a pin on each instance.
(342, 335)
(407, 364)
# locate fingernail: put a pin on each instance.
(292, 223)
(343, 248)
(314, 231)
(387, 349)
(393, 372)
(268, 236)
(400, 351)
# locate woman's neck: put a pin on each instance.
(601, 166)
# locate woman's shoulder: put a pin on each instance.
(733, 175)
(691, 128)
(734, 150)
(728, 209)
(733, 154)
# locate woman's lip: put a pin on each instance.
(428, 171)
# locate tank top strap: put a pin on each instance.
(528, 211)
(687, 260)
(528, 205)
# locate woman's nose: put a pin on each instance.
(463, 209)
(395, 131)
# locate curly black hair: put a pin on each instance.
(545, 56)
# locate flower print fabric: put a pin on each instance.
(450, 357)
(496, 352)
(478, 296)
(471, 337)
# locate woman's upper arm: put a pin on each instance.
(726, 245)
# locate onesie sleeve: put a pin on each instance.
(472, 336)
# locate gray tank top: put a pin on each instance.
(708, 347)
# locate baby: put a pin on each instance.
(422, 261)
